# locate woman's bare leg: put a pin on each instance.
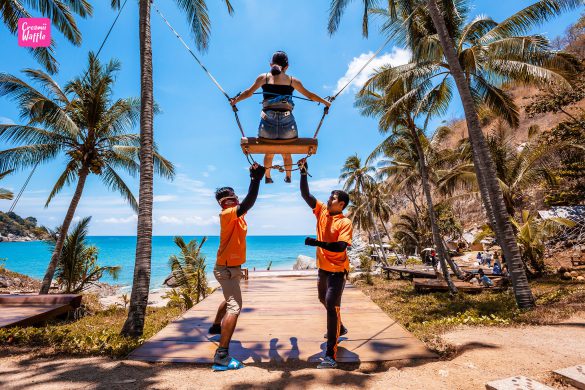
(267, 163)
(287, 158)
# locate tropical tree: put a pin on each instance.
(188, 269)
(358, 179)
(61, 13)
(196, 13)
(443, 29)
(4, 193)
(77, 268)
(81, 121)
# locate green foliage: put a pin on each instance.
(77, 267)
(413, 261)
(97, 334)
(188, 269)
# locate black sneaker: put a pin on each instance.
(342, 332)
(287, 179)
(268, 180)
(215, 329)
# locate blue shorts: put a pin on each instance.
(277, 125)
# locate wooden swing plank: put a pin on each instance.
(252, 145)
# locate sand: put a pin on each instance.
(484, 354)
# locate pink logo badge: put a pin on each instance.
(34, 32)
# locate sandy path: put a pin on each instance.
(484, 354)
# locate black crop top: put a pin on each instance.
(271, 91)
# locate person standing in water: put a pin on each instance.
(277, 120)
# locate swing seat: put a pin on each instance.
(251, 145)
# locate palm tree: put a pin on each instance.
(378, 99)
(77, 267)
(196, 12)
(4, 193)
(359, 177)
(518, 23)
(61, 14)
(83, 122)
(188, 269)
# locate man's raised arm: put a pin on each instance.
(310, 199)
(256, 174)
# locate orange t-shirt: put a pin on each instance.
(332, 229)
(232, 238)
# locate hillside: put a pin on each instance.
(15, 228)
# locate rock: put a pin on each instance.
(567, 275)
(17, 281)
(581, 278)
(354, 252)
(305, 262)
(171, 281)
(574, 274)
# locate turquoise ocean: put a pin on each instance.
(31, 258)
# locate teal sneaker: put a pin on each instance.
(233, 364)
(327, 362)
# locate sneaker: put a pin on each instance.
(342, 332)
(268, 180)
(215, 329)
(327, 362)
(233, 364)
(287, 179)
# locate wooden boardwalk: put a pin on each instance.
(26, 310)
(282, 320)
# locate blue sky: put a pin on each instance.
(196, 129)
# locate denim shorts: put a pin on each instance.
(277, 125)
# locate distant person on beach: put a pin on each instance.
(277, 120)
(334, 234)
(484, 280)
(230, 257)
(478, 258)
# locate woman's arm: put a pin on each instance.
(250, 91)
(316, 98)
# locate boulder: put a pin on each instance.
(5, 282)
(567, 275)
(171, 281)
(354, 252)
(581, 278)
(305, 262)
(574, 274)
(17, 282)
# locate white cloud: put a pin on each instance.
(185, 183)
(164, 198)
(324, 185)
(190, 220)
(121, 220)
(6, 121)
(396, 57)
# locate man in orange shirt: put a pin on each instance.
(334, 232)
(230, 257)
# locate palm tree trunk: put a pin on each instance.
(134, 324)
(484, 167)
(46, 284)
(373, 221)
(438, 241)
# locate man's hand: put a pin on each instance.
(303, 166)
(310, 241)
(257, 171)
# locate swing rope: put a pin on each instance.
(249, 157)
(17, 198)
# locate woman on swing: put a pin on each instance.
(277, 121)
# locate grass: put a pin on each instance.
(428, 316)
(94, 334)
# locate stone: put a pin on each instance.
(171, 281)
(574, 375)
(581, 278)
(17, 281)
(516, 383)
(305, 262)
(567, 275)
(574, 274)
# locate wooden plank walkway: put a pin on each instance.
(25, 310)
(282, 320)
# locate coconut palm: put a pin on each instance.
(188, 269)
(4, 193)
(378, 99)
(442, 28)
(77, 268)
(81, 121)
(196, 13)
(359, 179)
(61, 13)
